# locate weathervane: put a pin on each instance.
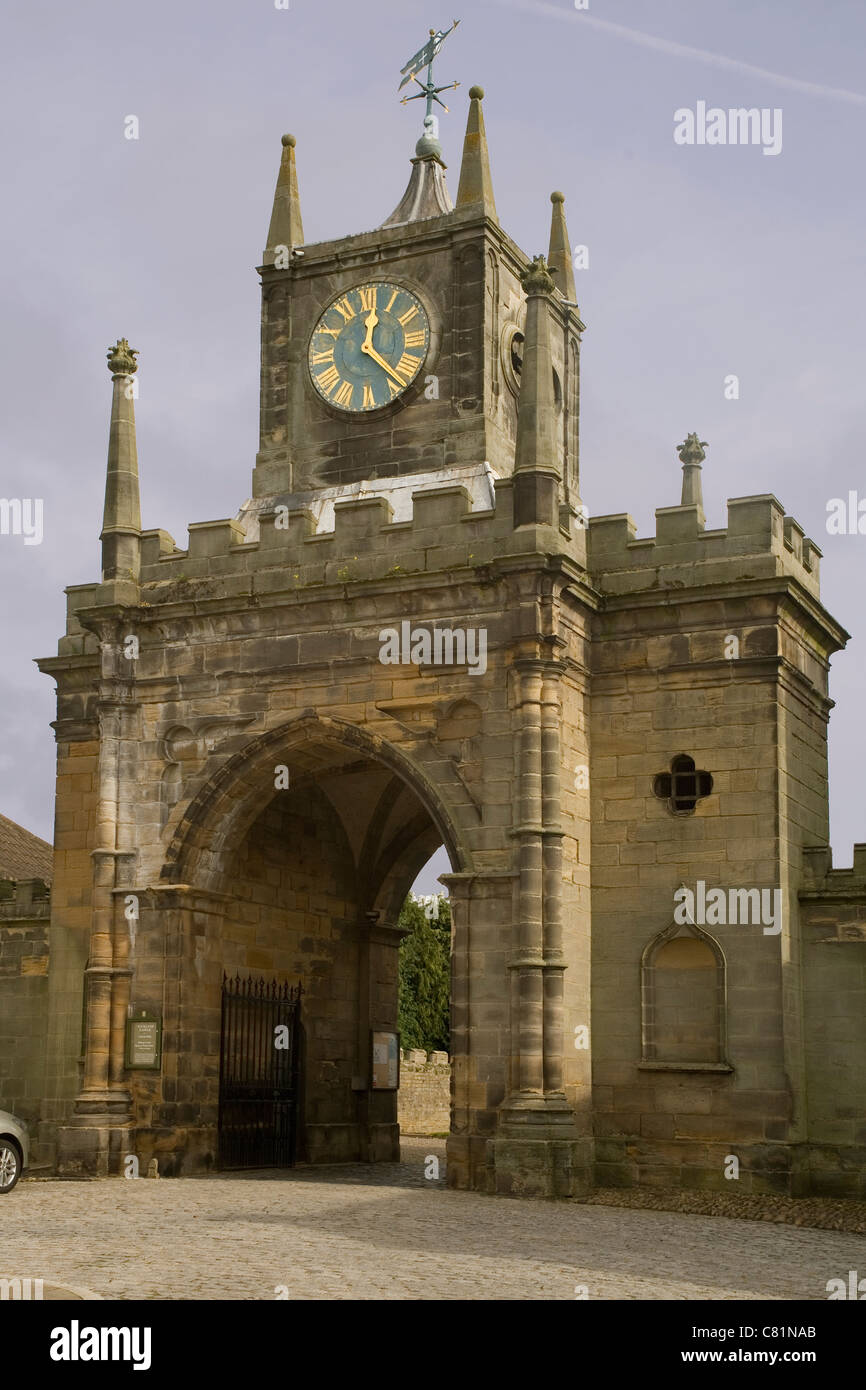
(424, 59)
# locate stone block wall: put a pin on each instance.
(689, 660)
(424, 1098)
(24, 933)
(833, 910)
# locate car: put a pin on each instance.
(14, 1150)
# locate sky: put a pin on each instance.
(705, 261)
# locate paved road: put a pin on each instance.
(387, 1232)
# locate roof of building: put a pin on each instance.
(22, 854)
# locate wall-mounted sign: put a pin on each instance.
(385, 1063)
(143, 1041)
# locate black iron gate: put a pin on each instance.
(258, 1103)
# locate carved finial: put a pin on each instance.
(536, 278)
(121, 359)
(692, 449)
(691, 454)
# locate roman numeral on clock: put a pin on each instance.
(345, 308)
(368, 298)
(326, 356)
(326, 381)
(409, 315)
(415, 339)
(407, 366)
(369, 398)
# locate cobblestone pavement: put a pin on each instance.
(387, 1232)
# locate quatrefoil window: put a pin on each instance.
(683, 787)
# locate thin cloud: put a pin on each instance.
(682, 50)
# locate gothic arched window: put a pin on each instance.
(683, 999)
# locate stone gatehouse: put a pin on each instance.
(260, 744)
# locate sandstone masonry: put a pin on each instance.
(245, 788)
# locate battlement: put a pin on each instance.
(820, 878)
(682, 553)
(25, 899)
(381, 531)
(344, 539)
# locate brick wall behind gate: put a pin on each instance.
(424, 1098)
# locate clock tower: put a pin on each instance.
(398, 351)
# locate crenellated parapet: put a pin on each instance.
(836, 896)
(444, 533)
(759, 542)
(26, 900)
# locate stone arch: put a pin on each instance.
(301, 884)
(683, 998)
(229, 801)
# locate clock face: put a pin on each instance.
(368, 346)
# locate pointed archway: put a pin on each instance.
(292, 862)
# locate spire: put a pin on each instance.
(426, 192)
(476, 185)
(121, 522)
(559, 256)
(536, 468)
(691, 453)
(286, 227)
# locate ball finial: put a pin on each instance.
(476, 93)
(557, 197)
(289, 140)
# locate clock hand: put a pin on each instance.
(370, 323)
(371, 352)
(367, 346)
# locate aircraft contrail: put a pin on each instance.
(682, 50)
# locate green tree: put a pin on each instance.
(425, 978)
